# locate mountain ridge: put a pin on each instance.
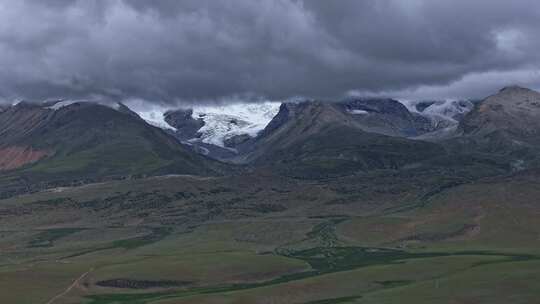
(319, 139)
(355, 135)
(85, 140)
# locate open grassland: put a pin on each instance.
(183, 239)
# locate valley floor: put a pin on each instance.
(268, 239)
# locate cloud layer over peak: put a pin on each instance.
(201, 51)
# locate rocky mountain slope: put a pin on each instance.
(320, 139)
(86, 141)
(386, 116)
(505, 124)
(514, 111)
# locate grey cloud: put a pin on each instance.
(208, 50)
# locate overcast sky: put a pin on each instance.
(204, 51)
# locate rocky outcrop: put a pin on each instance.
(386, 116)
(236, 140)
(16, 157)
(182, 120)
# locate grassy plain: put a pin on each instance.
(268, 239)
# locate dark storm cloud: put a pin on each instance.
(207, 50)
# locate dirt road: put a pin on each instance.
(69, 288)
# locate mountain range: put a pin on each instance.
(63, 142)
(87, 140)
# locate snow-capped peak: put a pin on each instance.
(155, 116)
(56, 105)
(60, 104)
(223, 122)
(220, 122)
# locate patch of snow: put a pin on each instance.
(223, 122)
(440, 112)
(115, 106)
(450, 109)
(153, 114)
(155, 117)
(410, 104)
(64, 103)
(443, 108)
(61, 104)
(358, 112)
